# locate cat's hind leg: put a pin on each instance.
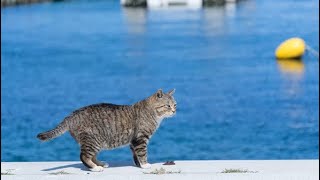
(89, 149)
(99, 163)
(86, 160)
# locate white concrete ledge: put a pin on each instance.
(182, 170)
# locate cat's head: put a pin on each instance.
(164, 103)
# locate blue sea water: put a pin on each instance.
(235, 100)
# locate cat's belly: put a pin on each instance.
(118, 140)
(109, 147)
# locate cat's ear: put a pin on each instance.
(159, 93)
(172, 92)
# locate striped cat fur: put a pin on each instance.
(108, 126)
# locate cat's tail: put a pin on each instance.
(59, 130)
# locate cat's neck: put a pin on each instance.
(145, 109)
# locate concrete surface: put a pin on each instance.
(193, 170)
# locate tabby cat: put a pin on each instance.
(107, 126)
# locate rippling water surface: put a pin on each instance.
(235, 101)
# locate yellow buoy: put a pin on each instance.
(291, 48)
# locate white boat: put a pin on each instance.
(194, 4)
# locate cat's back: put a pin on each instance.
(101, 109)
(102, 115)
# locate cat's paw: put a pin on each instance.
(146, 166)
(97, 169)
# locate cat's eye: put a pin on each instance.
(168, 106)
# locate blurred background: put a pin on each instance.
(235, 100)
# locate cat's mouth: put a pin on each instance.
(173, 113)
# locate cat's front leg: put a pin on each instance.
(139, 149)
(135, 159)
